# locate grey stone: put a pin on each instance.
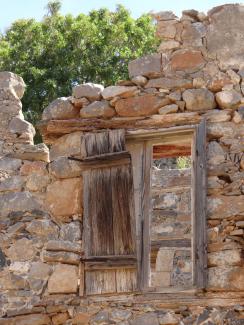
(21, 250)
(40, 270)
(2, 259)
(63, 245)
(71, 231)
(146, 319)
(43, 228)
(215, 153)
(168, 46)
(224, 258)
(60, 109)
(65, 168)
(172, 108)
(198, 99)
(225, 277)
(14, 183)
(88, 90)
(10, 165)
(18, 202)
(168, 319)
(100, 318)
(98, 109)
(139, 80)
(225, 38)
(120, 315)
(61, 257)
(9, 79)
(147, 66)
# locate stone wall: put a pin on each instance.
(197, 73)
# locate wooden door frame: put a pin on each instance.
(140, 143)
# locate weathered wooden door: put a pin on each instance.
(109, 263)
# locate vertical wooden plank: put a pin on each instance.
(136, 150)
(146, 210)
(126, 280)
(82, 280)
(99, 282)
(199, 194)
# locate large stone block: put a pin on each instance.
(226, 257)
(65, 168)
(169, 83)
(225, 38)
(21, 250)
(31, 152)
(9, 79)
(18, 202)
(63, 197)
(148, 66)
(67, 145)
(121, 91)
(45, 229)
(60, 109)
(145, 319)
(226, 278)
(228, 99)
(187, 60)
(97, 109)
(199, 99)
(140, 106)
(64, 279)
(88, 90)
(221, 207)
(215, 153)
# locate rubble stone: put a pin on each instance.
(60, 109)
(228, 99)
(147, 66)
(89, 90)
(63, 280)
(198, 99)
(97, 109)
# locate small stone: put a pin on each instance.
(120, 315)
(22, 250)
(199, 83)
(147, 66)
(80, 102)
(198, 99)
(63, 245)
(240, 224)
(175, 96)
(81, 319)
(9, 79)
(33, 167)
(239, 115)
(43, 228)
(10, 165)
(60, 318)
(97, 109)
(88, 90)
(168, 46)
(237, 232)
(100, 318)
(228, 99)
(235, 78)
(173, 108)
(121, 91)
(187, 60)
(219, 81)
(139, 80)
(140, 106)
(63, 197)
(63, 280)
(166, 29)
(192, 34)
(216, 115)
(19, 267)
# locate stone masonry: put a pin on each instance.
(197, 73)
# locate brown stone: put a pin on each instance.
(226, 278)
(216, 206)
(30, 167)
(140, 106)
(173, 108)
(14, 183)
(81, 319)
(169, 83)
(163, 15)
(148, 66)
(98, 109)
(139, 80)
(166, 29)
(192, 34)
(43, 228)
(226, 257)
(187, 60)
(64, 279)
(22, 128)
(21, 250)
(198, 99)
(218, 115)
(61, 257)
(64, 197)
(60, 318)
(228, 99)
(63, 245)
(33, 319)
(218, 81)
(168, 46)
(65, 168)
(11, 80)
(67, 145)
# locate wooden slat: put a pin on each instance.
(110, 265)
(171, 243)
(101, 281)
(109, 258)
(199, 207)
(126, 280)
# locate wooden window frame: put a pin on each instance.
(139, 144)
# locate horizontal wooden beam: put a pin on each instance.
(109, 258)
(104, 160)
(171, 243)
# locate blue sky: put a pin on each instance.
(16, 9)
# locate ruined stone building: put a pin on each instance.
(100, 225)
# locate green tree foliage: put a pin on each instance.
(60, 51)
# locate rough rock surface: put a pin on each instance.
(64, 279)
(89, 90)
(198, 99)
(148, 66)
(60, 109)
(97, 109)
